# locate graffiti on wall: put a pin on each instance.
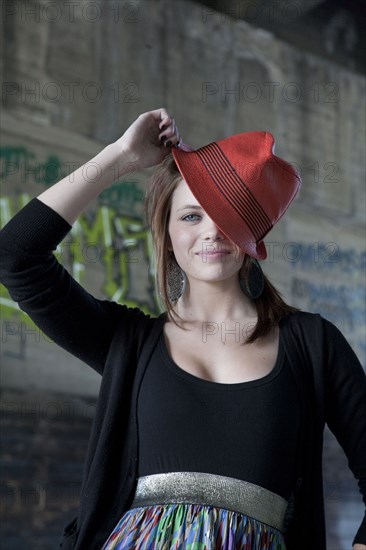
(113, 249)
(118, 246)
(330, 281)
(21, 163)
(109, 250)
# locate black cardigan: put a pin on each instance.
(117, 342)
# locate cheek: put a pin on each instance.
(178, 237)
(180, 245)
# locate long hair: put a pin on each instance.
(271, 308)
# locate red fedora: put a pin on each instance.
(242, 185)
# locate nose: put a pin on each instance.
(211, 232)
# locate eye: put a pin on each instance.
(191, 218)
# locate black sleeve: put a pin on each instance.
(346, 407)
(44, 289)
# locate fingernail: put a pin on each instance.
(163, 128)
(162, 139)
(168, 143)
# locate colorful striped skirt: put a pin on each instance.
(212, 524)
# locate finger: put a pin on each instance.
(165, 123)
(173, 141)
(169, 128)
(163, 114)
(170, 136)
(157, 114)
(160, 116)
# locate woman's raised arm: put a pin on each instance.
(43, 288)
(145, 143)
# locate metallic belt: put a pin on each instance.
(212, 490)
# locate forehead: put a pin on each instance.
(183, 195)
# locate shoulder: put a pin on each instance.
(139, 324)
(321, 337)
(302, 320)
(312, 332)
(133, 314)
(131, 323)
(310, 324)
(310, 321)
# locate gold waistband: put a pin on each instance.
(212, 490)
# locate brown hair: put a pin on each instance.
(271, 308)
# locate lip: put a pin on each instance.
(214, 253)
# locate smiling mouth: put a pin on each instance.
(213, 252)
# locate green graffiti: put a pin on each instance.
(121, 247)
(122, 196)
(13, 157)
(20, 163)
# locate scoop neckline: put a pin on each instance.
(176, 369)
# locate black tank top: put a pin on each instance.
(247, 431)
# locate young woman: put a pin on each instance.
(209, 423)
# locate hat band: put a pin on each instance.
(234, 189)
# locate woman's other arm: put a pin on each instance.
(346, 409)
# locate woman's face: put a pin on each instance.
(200, 248)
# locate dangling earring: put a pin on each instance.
(176, 280)
(253, 284)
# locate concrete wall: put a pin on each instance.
(76, 76)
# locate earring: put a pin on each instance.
(176, 280)
(253, 284)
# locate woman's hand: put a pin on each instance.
(144, 144)
(359, 547)
(149, 139)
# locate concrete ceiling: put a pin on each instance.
(333, 29)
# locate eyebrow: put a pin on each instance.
(190, 206)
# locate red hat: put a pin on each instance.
(242, 185)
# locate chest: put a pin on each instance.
(220, 356)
